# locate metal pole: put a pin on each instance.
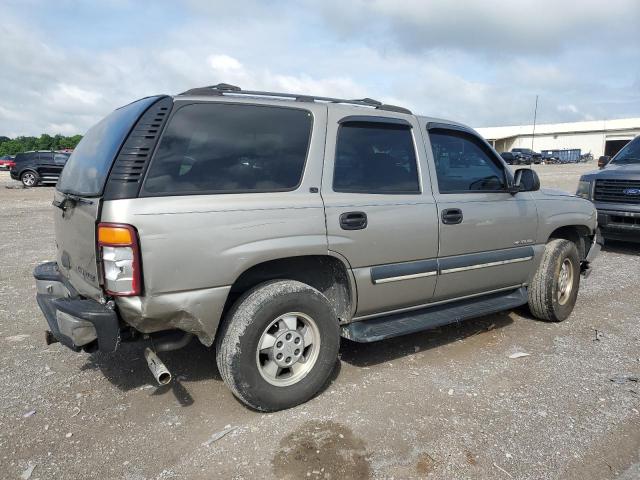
(535, 114)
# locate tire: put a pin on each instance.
(263, 317)
(29, 178)
(552, 296)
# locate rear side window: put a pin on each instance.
(464, 164)
(375, 158)
(230, 148)
(60, 158)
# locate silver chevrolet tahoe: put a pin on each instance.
(272, 224)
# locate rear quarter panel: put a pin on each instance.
(194, 247)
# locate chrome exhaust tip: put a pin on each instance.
(158, 369)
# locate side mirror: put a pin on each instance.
(526, 180)
(603, 160)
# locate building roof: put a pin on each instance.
(496, 133)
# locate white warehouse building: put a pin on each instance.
(598, 137)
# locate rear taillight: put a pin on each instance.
(120, 255)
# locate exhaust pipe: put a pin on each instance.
(158, 369)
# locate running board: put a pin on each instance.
(398, 324)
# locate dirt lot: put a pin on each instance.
(448, 403)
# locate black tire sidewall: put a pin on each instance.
(567, 250)
(35, 174)
(253, 388)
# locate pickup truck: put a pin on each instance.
(269, 225)
(615, 191)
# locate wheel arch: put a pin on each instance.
(327, 273)
(578, 234)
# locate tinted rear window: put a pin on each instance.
(230, 148)
(23, 157)
(375, 158)
(86, 171)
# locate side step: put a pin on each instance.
(398, 324)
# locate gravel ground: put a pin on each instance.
(448, 403)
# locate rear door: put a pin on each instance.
(59, 160)
(75, 227)
(486, 233)
(380, 213)
(46, 166)
(78, 195)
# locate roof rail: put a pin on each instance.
(226, 89)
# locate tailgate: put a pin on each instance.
(75, 225)
(81, 188)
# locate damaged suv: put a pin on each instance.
(272, 224)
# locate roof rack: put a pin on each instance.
(226, 89)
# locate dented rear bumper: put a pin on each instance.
(76, 322)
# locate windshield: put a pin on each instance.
(88, 166)
(630, 153)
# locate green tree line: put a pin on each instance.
(11, 146)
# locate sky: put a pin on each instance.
(65, 64)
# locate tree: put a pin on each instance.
(11, 146)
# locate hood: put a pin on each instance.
(555, 192)
(613, 170)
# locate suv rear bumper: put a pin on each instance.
(74, 321)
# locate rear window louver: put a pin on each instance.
(133, 159)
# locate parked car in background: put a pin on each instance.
(262, 224)
(6, 162)
(509, 158)
(615, 190)
(33, 168)
(528, 155)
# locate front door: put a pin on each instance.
(380, 212)
(486, 232)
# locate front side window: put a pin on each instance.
(463, 164)
(230, 148)
(375, 158)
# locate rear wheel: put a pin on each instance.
(29, 178)
(278, 345)
(554, 289)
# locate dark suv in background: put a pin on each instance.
(615, 191)
(33, 168)
(527, 156)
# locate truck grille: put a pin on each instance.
(613, 190)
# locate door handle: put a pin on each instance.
(353, 221)
(451, 216)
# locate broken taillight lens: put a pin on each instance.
(120, 254)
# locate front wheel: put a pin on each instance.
(554, 288)
(29, 178)
(278, 345)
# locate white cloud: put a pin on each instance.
(65, 94)
(568, 108)
(477, 62)
(224, 63)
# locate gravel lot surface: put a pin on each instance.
(447, 403)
